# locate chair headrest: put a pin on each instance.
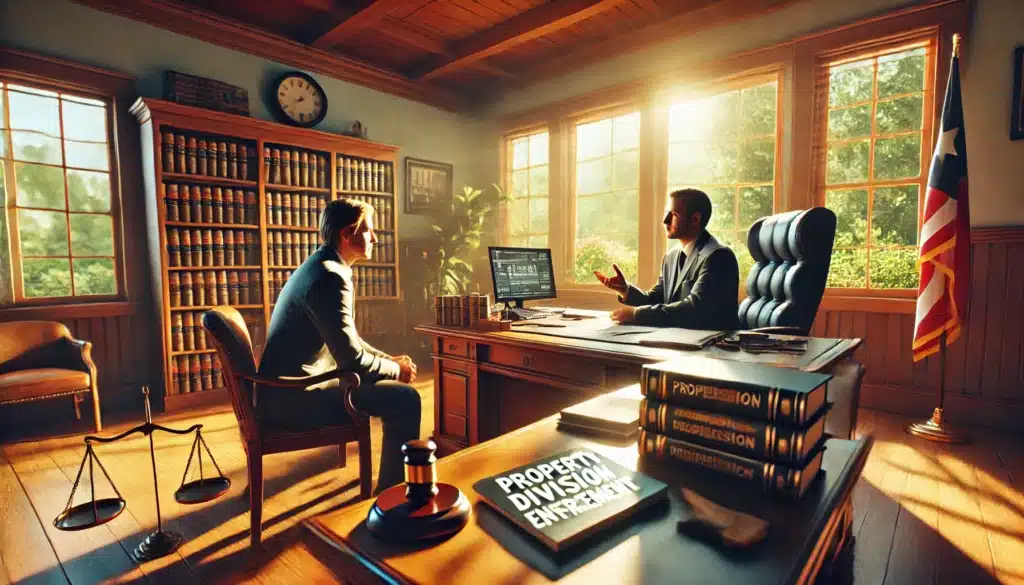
(794, 236)
(226, 326)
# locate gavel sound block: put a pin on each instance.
(422, 508)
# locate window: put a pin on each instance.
(607, 196)
(57, 229)
(876, 118)
(725, 146)
(527, 178)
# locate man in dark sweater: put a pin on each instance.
(312, 330)
(699, 283)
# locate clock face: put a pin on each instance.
(301, 99)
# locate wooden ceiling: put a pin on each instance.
(443, 52)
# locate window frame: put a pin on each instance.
(117, 91)
(20, 300)
(930, 40)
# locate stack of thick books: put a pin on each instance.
(761, 424)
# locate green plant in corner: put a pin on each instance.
(459, 232)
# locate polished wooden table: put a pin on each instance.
(803, 537)
(489, 383)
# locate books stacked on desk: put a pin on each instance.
(760, 424)
(615, 415)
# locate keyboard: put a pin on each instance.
(525, 314)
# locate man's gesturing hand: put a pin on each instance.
(617, 283)
(406, 369)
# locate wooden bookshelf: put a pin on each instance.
(237, 227)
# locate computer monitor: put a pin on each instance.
(521, 274)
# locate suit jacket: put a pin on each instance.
(312, 329)
(699, 291)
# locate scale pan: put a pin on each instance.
(202, 490)
(84, 516)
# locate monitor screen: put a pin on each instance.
(522, 273)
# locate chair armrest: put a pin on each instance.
(782, 329)
(349, 379)
(79, 357)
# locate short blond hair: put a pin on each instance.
(340, 214)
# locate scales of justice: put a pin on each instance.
(97, 512)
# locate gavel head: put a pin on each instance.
(420, 470)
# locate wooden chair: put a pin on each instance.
(41, 360)
(234, 347)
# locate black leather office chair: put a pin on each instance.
(792, 252)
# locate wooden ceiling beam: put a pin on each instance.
(529, 25)
(400, 32)
(359, 20)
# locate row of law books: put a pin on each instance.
(760, 424)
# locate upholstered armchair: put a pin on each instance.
(792, 252)
(234, 348)
(41, 360)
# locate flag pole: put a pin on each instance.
(933, 429)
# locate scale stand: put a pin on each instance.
(97, 512)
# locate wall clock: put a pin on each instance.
(299, 99)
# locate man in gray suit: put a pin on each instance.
(699, 283)
(313, 331)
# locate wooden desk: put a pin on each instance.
(487, 384)
(803, 536)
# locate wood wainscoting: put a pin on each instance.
(984, 368)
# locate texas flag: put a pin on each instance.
(945, 253)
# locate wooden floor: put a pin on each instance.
(923, 513)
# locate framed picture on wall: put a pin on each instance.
(1017, 121)
(426, 184)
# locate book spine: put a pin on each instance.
(747, 400)
(746, 437)
(766, 475)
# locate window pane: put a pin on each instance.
(901, 73)
(757, 110)
(899, 115)
(894, 268)
(848, 269)
(6, 278)
(35, 147)
(593, 140)
(849, 123)
(94, 276)
(847, 163)
(92, 235)
(34, 112)
(43, 233)
(894, 217)
(598, 253)
(594, 176)
(519, 183)
(724, 112)
(87, 155)
(626, 132)
(520, 153)
(40, 186)
(898, 158)
(743, 257)
(626, 167)
(851, 209)
(755, 203)
(539, 180)
(82, 122)
(757, 161)
(850, 83)
(537, 241)
(723, 211)
(690, 121)
(3, 142)
(683, 163)
(539, 149)
(88, 191)
(49, 277)
(518, 216)
(611, 215)
(518, 242)
(539, 215)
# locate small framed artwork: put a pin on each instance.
(1017, 121)
(426, 184)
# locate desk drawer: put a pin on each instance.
(454, 347)
(567, 367)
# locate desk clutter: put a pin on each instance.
(472, 311)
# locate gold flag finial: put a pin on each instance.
(956, 45)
